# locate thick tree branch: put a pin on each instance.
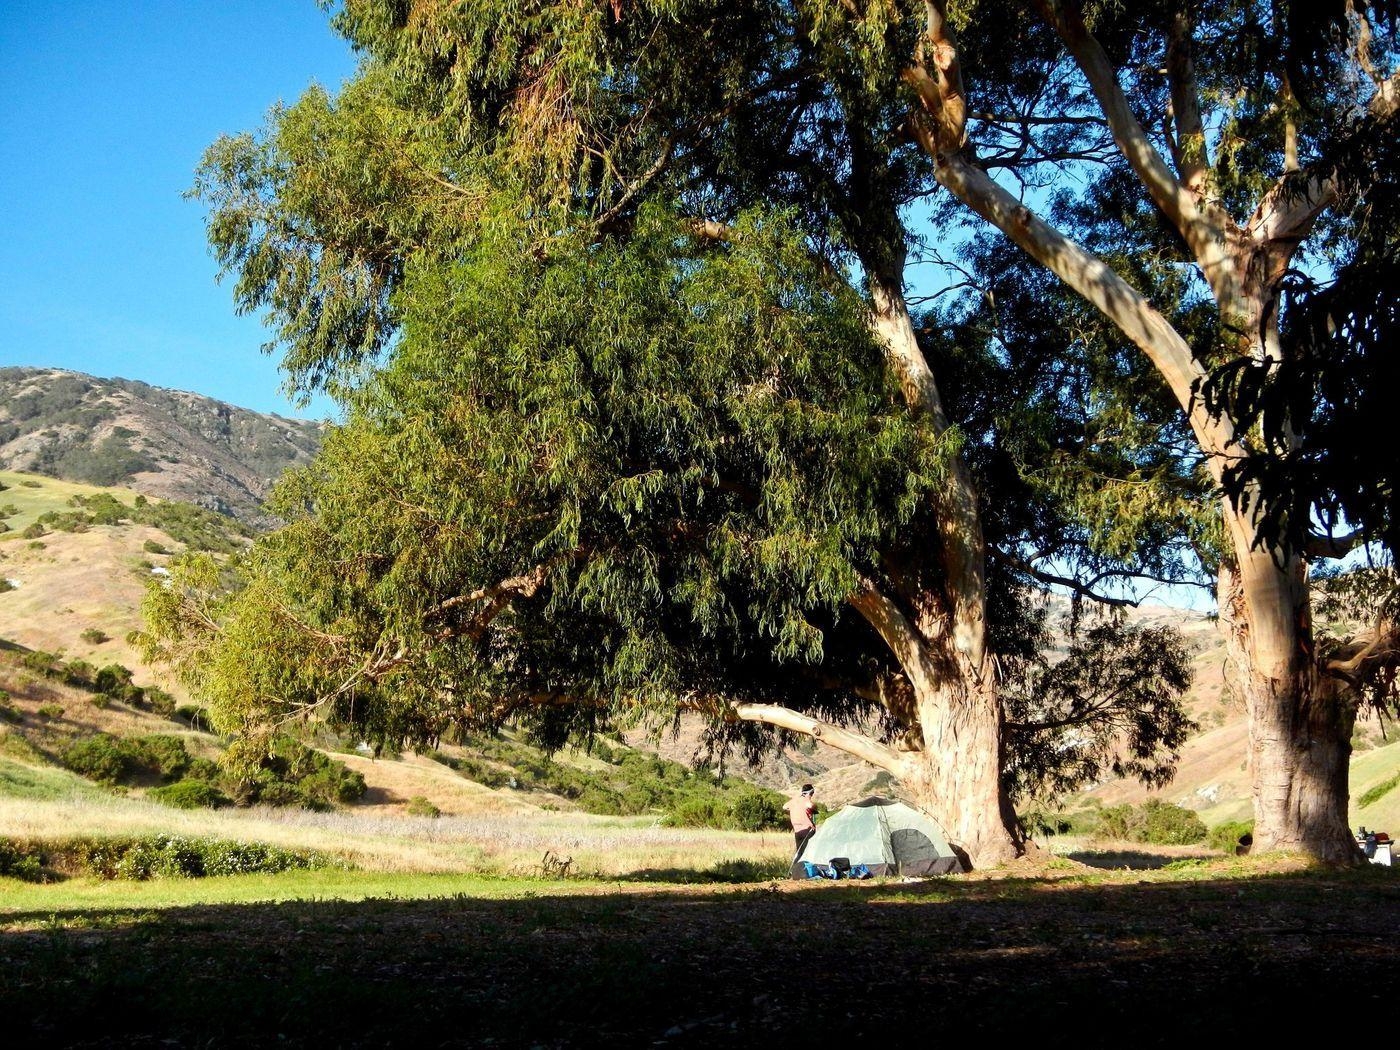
(1189, 141)
(852, 743)
(1333, 546)
(1101, 285)
(893, 627)
(1206, 229)
(1367, 654)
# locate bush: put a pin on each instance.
(102, 758)
(20, 861)
(418, 806)
(48, 712)
(1226, 837)
(152, 547)
(189, 794)
(115, 760)
(1155, 822)
(168, 856)
(1378, 792)
(696, 811)
(288, 773)
(758, 811)
(93, 636)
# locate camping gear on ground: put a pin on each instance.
(1376, 845)
(882, 835)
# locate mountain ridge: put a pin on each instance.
(169, 444)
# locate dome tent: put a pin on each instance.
(886, 835)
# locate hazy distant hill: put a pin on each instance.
(164, 443)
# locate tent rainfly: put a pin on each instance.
(887, 836)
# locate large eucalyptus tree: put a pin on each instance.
(641, 416)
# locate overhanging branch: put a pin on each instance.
(839, 737)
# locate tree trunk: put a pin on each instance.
(957, 776)
(1299, 727)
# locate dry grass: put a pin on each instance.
(483, 843)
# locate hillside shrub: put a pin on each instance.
(758, 811)
(50, 712)
(20, 861)
(152, 547)
(114, 760)
(94, 636)
(196, 716)
(1375, 794)
(419, 806)
(288, 773)
(189, 794)
(1156, 822)
(1226, 837)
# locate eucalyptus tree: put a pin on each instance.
(641, 418)
(1226, 135)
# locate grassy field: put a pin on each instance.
(33, 495)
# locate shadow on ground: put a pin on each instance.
(1057, 963)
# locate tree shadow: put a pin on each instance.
(1060, 961)
(1134, 860)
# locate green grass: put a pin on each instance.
(18, 780)
(50, 495)
(79, 896)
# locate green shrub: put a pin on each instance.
(20, 861)
(79, 673)
(112, 680)
(1378, 792)
(152, 547)
(158, 700)
(1156, 822)
(122, 760)
(288, 773)
(418, 806)
(8, 711)
(696, 811)
(169, 856)
(189, 794)
(49, 712)
(102, 757)
(33, 531)
(93, 636)
(1226, 837)
(758, 811)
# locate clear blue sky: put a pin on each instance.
(105, 110)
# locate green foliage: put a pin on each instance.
(168, 856)
(196, 716)
(637, 783)
(1377, 792)
(1156, 822)
(50, 712)
(94, 636)
(418, 806)
(153, 547)
(124, 760)
(283, 771)
(1226, 837)
(189, 794)
(18, 861)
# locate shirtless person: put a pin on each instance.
(801, 810)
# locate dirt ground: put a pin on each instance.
(1044, 954)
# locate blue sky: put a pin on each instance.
(105, 110)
